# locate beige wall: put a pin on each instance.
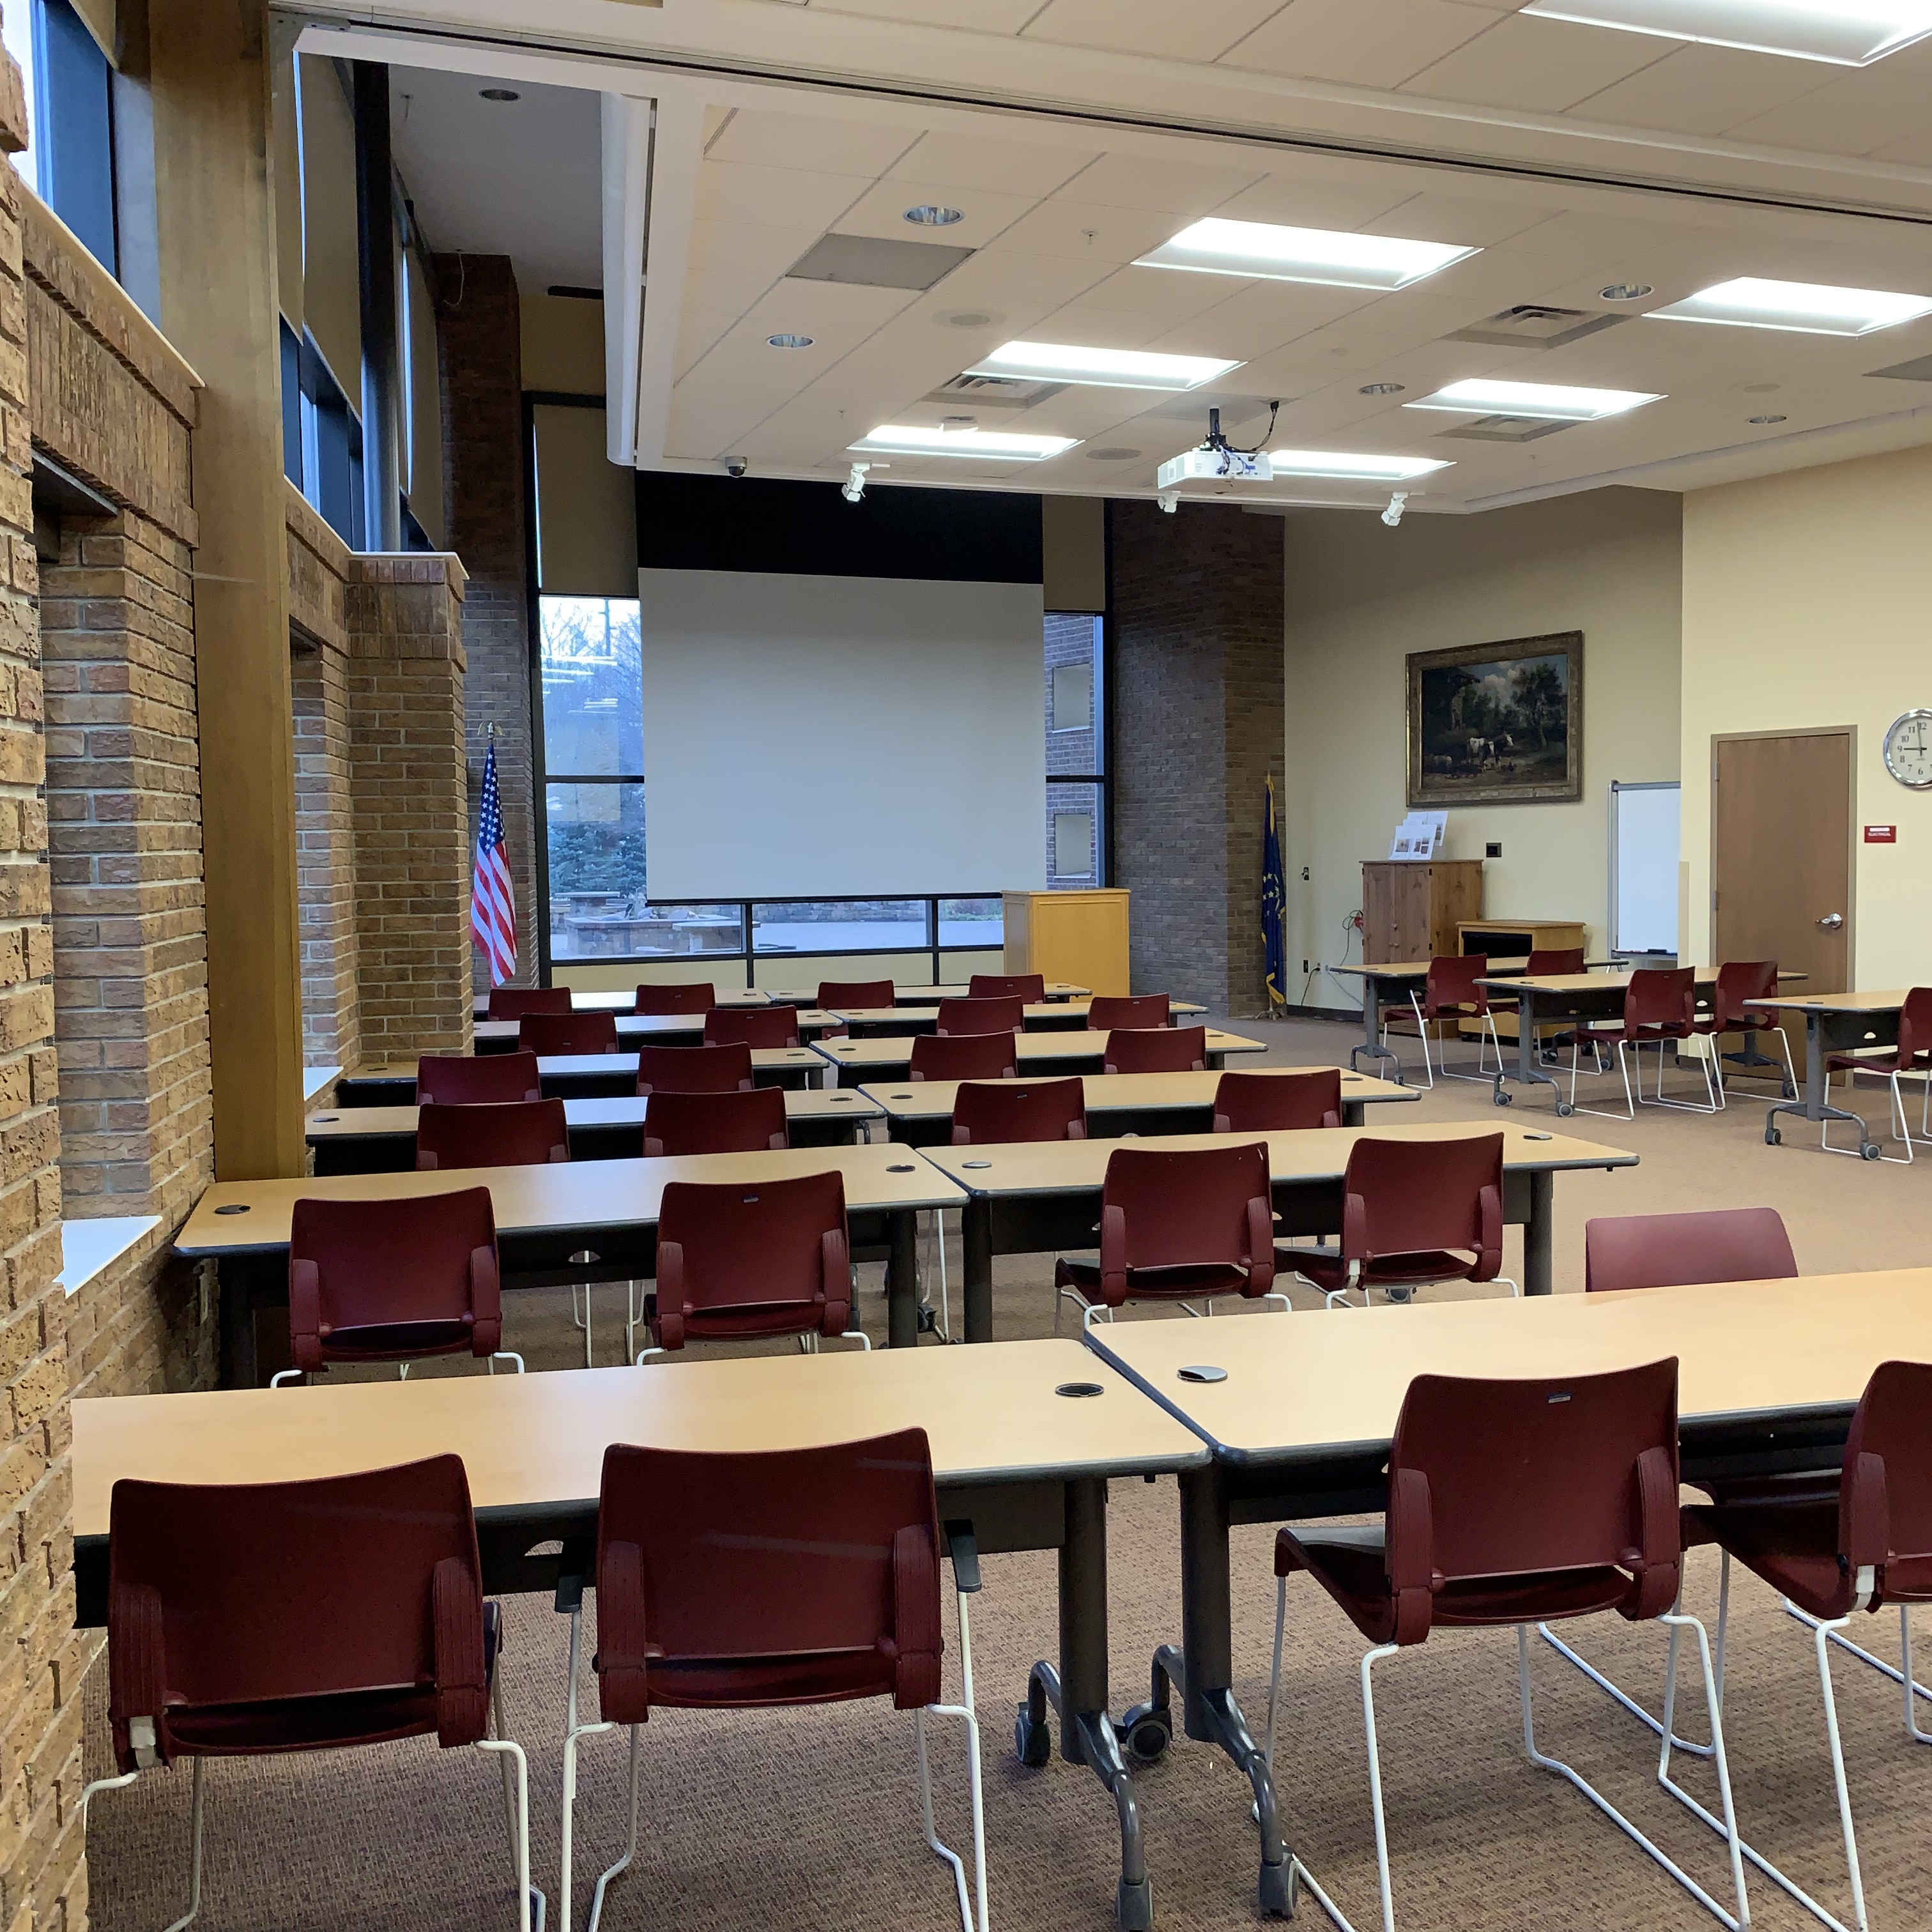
(586, 507)
(332, 297)
(1805, 603)
(1361, 597)
(563, 344)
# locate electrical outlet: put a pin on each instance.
(1493, 850)
(1304, 966)
(1304, 875)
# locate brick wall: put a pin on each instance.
(479, 332)
(1197, 603)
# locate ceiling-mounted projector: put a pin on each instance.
(1217, 460)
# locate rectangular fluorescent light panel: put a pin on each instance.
(1808, 308)
(1358, 469)
(997, 445)
(1847, 33)
(1333, 257)
(1107, 368)
(1551, 401)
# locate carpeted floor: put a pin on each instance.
(810, 1820)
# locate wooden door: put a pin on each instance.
(1781, 855)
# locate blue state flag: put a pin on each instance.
(1274, 903)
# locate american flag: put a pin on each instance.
(493, 906)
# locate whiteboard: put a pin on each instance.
(1644, 846)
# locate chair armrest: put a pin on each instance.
(917, 1643)
(835, 1281)
(1409, 1546)
(137, 1672)
(1489, 1228)
(671, 1308)
(304, 1313)
(1656, 1563)
(1260, 1244)
(462, 1675)
(486, 1300)
(1114, 1255)
(623, 1652)
(1354, 1228)
(962, 1136)
(1865, 1521)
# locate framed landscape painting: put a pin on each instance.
(1498, 724)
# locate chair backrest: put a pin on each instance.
(1105, 1012)
(1671, 1250)
(548, 1034)
(1550, 962)
(1662, 999)
(512, 1002)
(423, 1259)
(1914, 1028)
(964, 1056)
(1188, 1208)
(476, 1079)
(972, 1016)
(1157, 1050)
(1260, 1103)
(694, 1070)
(752, 1245)
(1027, 986)
(1893, 1423)
(257, 1593)
(751, 1026)
(1739, 980)
(1452, 982)
(784, 1576)
(513, 1133)
(1512, 1480)
(835, 994)
(664, 999)
(735, 1123)
(989, 1112)
(1409, 1197)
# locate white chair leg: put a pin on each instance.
(969, 1920)
(1274, 1670)
(572, 1731)
(280, 1376)
(1375, 1781)
(516, 1811)
(506, 1355)
(1422, 1033)
(197, 1811)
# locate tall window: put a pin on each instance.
(1076, 748)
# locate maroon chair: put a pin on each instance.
(1178, 1226)
(1739, 980)
(514, 1133)
(741, 1123)
(476, 1080)
(1554, 962)
(835, 994)
(1912, 1053)
(994, 1112)
(393, 1281)
(1515, 1503)
(1029, 987)
(751, 1026)
(967, 1056)
(1411, 1211)
(1261, 1103)
(1105, 1012)
(549, 1035)
(249, 1618)
(694, 1070)
(512, 1002)
(1659, 1010)
(737, 1261)
(981, 1016)
(1157, 1050)
(1450, 992)
(665, 1000)
(1676, 1250)
(766, 1581)
(1864, 1544)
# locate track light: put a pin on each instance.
(1169, 501)
(854, 491)
(1392, 515)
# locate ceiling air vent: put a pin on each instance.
(996, 392)
(1505, 429)
(871, 262)
(1535, 325)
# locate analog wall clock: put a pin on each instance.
(1908, 750)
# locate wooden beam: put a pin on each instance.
(214, 168)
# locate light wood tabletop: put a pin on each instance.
(801, 1103)
(1047, 1013)
(1313, 1153)
(1307, 1385)
(1033, 1051)
(990, 1414)
(1836, 1003)
(1560, 983)
(1415, 969)
(565, 1066)
(639, 1028)
(570, 1194)
(909, 992)
(620, 999)
(932, 1099)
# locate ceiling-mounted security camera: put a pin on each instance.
(735, 465)
(1169, 501)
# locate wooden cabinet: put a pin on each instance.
(1411, 907)
(1518, 938)
(1078, 937)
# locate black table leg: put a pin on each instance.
(977, 1232)
(1353, 1115)
(902, 1279)
(1817, 1105)
(1528, 1073)
(1372, 1028)
(1537, 1232)
(1077, 1693)
(235, 1283)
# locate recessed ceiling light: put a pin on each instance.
(1627, 292)
(789, 341)
(1362, 469)
(1761, 420)
(1381, 389)
(1848, 33)
(931, 214)
(1552, 401)
(1804, 308)
(1110, 368)
(998, 446)
(501, 94)
(1332, 257)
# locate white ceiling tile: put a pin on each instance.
(1085, 231)
(1298, 201)
(1473, 221)
(984, 16)
(1702, 90)
(819, 143)
(732, 265)
(1533, 62)
(1005, 166)
(1850, 115)
(774, 197)
(1362, 43)
(1258, 317)
(1144, 182)
(881, 211)
(1093, 327)
(1202, 30)
(1162, 294)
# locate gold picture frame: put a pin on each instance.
(1499, 724)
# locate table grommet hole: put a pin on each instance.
(1079, 1389)
(1203, 1372)
(899, 1168)
(234, 1207)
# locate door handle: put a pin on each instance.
(1831, 922)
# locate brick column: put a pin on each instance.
(408, 798)
(1197, 602)
(477, 329)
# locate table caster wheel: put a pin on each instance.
(1133, 1906)
(1772, 1137)
(1502, 1096)
(1145, 1732)
(1277, 1889)
(1033, 1743)
(1869, 1150)
(1564, 1110)
(1790, 1091)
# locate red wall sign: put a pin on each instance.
(1881, 834)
